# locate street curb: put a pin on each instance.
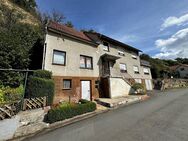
(73, 120)
(60, 124)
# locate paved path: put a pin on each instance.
(162, 118)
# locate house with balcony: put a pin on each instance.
(120, 66)
(90, 65)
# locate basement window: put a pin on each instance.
(67, 84)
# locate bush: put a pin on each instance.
(139, 88)
(83, 101)
(8, 94)
(69, 110)
(39, 87)
(43, 74)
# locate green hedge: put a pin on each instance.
(69, 110)
(43, 74)
(39, 87)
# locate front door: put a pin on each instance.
(85, 89)
(148, 84)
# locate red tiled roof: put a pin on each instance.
(173, 68)
(68, 30)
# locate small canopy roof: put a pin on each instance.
(110, 57)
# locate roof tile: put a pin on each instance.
(68, 30)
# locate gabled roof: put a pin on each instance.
(63, 29)
(95, 36)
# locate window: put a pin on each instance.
(86, 62)
(182, 69)
(135, 69)
(138, 80)
(121, 53)
(105, 46)
(97, 84)
(59, 57)
(134, 56)
(123, 67)
(67, 83)
(146, 71)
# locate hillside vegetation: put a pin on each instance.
(160, 68)
(20, 32)
(28, 16)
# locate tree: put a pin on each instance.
(16, 41)
(69, 24)
(182, 60)
(28, 5)
(88, 30)
(55, 16)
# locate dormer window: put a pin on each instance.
(121, 53)
(134, 57)
(105, 46)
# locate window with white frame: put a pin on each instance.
(123, 67)
(146, 71)
(59, 57)
(86, 62)
(121, 53)
(67, 84)
(134, 56)
(135, 69)
(106, 46)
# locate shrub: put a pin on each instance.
(8, 94)
(83, 101)
(69, 110)
(139, 88)
(39, 87)
(43, 74)
(1, 96)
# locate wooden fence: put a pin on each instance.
(8, 110)
(34, 103)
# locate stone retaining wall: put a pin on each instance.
(170, 83)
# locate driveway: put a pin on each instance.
(162, 118)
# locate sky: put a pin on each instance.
(157, 27)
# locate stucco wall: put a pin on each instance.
(73, 49)
(128, 60)
(145, 76)
(118, 87)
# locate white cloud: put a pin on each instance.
(125, 38)
(171, 21)
(173, 47)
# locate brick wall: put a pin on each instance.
(75, 92)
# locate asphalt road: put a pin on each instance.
(162, 118)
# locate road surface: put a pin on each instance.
(164, 117)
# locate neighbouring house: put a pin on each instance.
(180, 71)
(91, 65)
